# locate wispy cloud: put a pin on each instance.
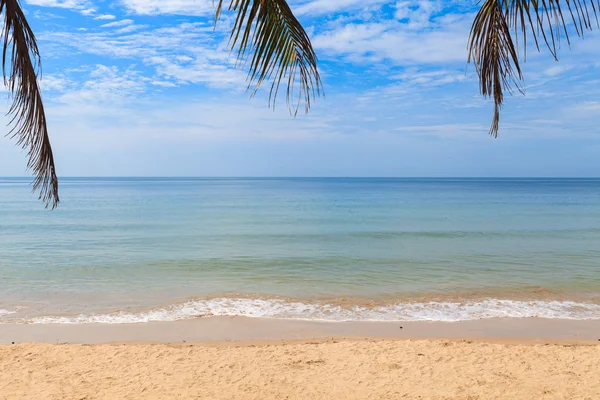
(175, 7)
(188, 53)
(319, 7)
(76, 4)
(55, 82)
(120, 23)
(412, 33)
(130, 28)
(82, 6)
(106, 17)
(38, 14)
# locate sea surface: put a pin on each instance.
(134, 250)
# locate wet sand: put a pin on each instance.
(220, 329)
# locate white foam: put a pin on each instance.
(432, 311)
(4, 312)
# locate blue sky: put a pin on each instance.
(147, 87)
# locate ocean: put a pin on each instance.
(130, 250)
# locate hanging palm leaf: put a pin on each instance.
(28, 118)
(495, 52)
(280, 50)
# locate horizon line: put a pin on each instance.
(298, 177)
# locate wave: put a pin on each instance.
(6, 312)
(295, 310)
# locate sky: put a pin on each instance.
(149, 88)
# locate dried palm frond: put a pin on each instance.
(27, 110)
(495, 52)
(280, 49)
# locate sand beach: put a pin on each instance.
(333, 369)
(244, 358)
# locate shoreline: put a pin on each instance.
(220, 358)
(416, 309)
(245, 329)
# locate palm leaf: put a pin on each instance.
(269, 37)
(28, 118)
(494, 51)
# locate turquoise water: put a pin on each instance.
(132, 250)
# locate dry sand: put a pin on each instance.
(347, 369)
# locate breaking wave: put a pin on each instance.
(296, 310)
(5, 312)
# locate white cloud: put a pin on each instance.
(140, 45)
(79, 5)
(586, 107)
(130, 28)
(54, 83)
(187, 53)
(176, 7)
(391, 41)
(202, 70)
(418, 13)
(46, 16)
(557, 70)
(105, 84)
(419, 32)
(163, 84)
(105, 17)
(429, 78)
(58, 3)
(459, 130)
(120, 23)
(318, 7)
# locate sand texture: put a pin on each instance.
(365, 369)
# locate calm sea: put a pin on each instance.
(135, 250)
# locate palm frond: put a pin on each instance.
(28, 117)
(495, 56)
(494, 51)
(268, 35)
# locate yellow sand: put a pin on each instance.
(365, 369)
